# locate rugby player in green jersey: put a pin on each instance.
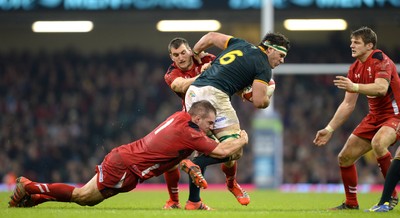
(239, 65)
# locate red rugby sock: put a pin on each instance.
(41, 198)
(230, 173)
(57, 191)
(350, 180)
(172, 180)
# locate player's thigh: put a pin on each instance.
(354, 148)
(385, 137)
(226, 114)
(230, 133)
(239, 153)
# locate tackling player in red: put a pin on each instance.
(127, 165)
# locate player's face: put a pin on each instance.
(275, 57)
(359, 49)
(206, 124)
(182, 57)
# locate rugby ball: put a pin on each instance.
(247, 93)
(271, 88)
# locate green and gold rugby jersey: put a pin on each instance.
(236, 67)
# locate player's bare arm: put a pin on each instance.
(227, 148)
(181, 84)
(260, 97)
(378, 88)
(343, 112)
(198, 56)
(211, 39)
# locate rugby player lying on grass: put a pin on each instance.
(127, 165)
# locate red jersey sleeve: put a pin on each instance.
(171, 74)
(199, 141)
(350, 73)
(383, 69)
(172, 141)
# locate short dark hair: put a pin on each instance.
(275, 39)
(202, 108)
(366, 34)
(176, 42)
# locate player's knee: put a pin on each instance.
(230, 163)
(81, 200)
(85, 198)
(344, 160)
(87, 201)
(379, 149)
(92, 203)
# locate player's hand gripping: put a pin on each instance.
(244, 136)
(199, 56)
(205, 67)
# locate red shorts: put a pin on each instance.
(369, 126)
(114, 177)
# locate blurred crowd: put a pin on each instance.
(62, 112)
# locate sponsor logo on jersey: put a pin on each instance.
(220, 119)
(192, 94)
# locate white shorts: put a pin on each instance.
(226, 114)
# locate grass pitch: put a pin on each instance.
(145, 204)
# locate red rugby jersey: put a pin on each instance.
(174, 72)
(172, 141)
(378, 65)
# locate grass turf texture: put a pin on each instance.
(145, 204)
